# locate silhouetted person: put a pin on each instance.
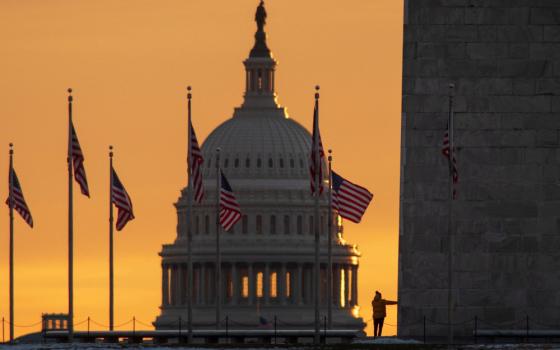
(379, 312)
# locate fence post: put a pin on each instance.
(527, 329)
(476, 329)
(275, 328)
(325, 328)
(424, 325)
(227, 329)
(133, 326)
(88, 319)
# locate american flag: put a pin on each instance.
(78, 162)
(230, 213)
(195, 160)
(316, 145)
(349, 199)
(446, 151)
(18, 200)
(121, 200)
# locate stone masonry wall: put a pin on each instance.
(504, 58)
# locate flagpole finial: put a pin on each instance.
(189, 95)
(317, 88)
(70, 95)
(330, 155)
(111, 151)
(11, 148)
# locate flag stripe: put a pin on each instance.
(78, 162)
(121, 200)
(349, 199)
(316, 151)
(19, 203)
(230, 212)
(195, 160)
(446, 151)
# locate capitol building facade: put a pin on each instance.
(267, 257)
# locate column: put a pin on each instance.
(299, 285)
(355, 285)
(346, 283)
(309, 283)
(323, 286)
(203, 296)
(234, 283)
(177, 287)
(199, 289)
(251, 277)
(255, 80)
(164, 285)
(336, 285)
(281, 280)
(266, 283)
(180, 284)
(173, 285)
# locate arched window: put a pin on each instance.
(196, 224)
(247, 163)
(281, 163)
(299, 225)
(236, 163)
(270, 163)
(226, 162)
(292, 163)
(259, 285)
(250, 79)
(206, 224)
(259, 163)
(286, 224)
(259, 224)
(245, 287)
(274, 285)
(272, 224)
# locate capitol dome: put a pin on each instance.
(266, 145)
(266, 259)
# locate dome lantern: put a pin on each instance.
(259, 68)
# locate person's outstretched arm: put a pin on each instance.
(390, 302)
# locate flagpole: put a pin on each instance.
(317, 180)
(218, 253)
(450, 223)
(189, 222)
(70, 226)
(11, 205)
(329, 248)
(111, 275)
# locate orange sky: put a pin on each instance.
(129, 62)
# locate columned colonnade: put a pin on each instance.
(268, 283)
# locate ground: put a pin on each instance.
(383, 343)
